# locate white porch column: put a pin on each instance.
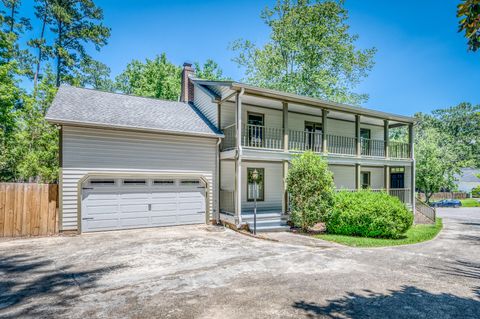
(357, 136)
(358, 177)
(285, 163)
(411, 138)
(386, 178)
(324, 131)
(386, 137)
(238, 161)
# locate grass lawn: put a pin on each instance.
(415, 234)
(470, 202)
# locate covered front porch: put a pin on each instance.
(237, 196)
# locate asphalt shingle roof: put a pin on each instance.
(88, 106)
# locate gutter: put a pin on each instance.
(131, 128)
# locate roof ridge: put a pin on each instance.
(120, 93)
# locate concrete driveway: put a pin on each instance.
(209, 272)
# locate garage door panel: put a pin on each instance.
(131, 208)
(101, 224)
(164, 220)
(103, 209)
(127, 206)
(191, 219)
(135, 221)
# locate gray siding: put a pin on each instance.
(343, 176)
(204, 103)
(99, 151)
(273, 183)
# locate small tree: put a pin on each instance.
(435, 163)
(310, 185)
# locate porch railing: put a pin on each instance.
(341, 144)
(371, 147)
(304, 141)
(399, 149)
(425, 210)
(227, 202)
(259, 136)
(262, 137)
(228, 142)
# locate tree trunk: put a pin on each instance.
(59, 42)
(37, 71)
(12, 16)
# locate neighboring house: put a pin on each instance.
(129, 162)
(468, 179)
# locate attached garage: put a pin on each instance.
(133, 162)
(123, 203)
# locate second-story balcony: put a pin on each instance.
(272, 138)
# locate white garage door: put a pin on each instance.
(122, 203)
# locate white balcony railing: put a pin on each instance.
(264, 137)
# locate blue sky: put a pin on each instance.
(422, 62)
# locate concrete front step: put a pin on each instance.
(264, 216)
(269, 225)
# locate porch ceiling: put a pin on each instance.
(220, 90)
(306, 109)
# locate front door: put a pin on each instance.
(397, 180)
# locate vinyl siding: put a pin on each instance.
(204, 103)
(343, 176)
(94, 151)
(273, 183)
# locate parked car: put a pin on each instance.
(447, 203)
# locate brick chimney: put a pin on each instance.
(187, 85)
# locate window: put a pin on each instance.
(102, 182)
(165, 182)
(365, 179)
(190, 182)
(397, 169)
(365, 133)
(135, 182)
(255, 129)
(260, 193)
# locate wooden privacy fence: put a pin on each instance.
(444, 195)
(28, 209)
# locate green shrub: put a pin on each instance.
(476, 192)
(310, 186)
(368, 214)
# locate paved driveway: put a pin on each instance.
(208, 272)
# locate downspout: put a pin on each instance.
(217, 181)
(238, 156)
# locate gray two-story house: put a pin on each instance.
(130, 162)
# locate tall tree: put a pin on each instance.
(35, 150)
(95, 74)
(11, 99)
(310, 52)
(157, 78)
(469, 14)
(209, 71)
(75, 23)
(43, 13)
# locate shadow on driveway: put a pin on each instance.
(408, 302)
(25, 278)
